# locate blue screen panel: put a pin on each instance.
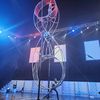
(92, 50)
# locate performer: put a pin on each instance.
(53, 89)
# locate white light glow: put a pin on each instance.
(34, 55)
(60, 53)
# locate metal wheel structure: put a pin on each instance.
(46, 19)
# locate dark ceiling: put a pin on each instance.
(17, 15)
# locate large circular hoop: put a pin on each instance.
(35, 69)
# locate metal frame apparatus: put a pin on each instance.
(46, 24)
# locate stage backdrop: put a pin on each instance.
(81, 58)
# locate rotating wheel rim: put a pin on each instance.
(36, 77)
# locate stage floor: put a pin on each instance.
(27, 96)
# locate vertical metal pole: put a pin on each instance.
(41, 53)
(39, 70)
(88, 90)
(48, 44)
(38, 97)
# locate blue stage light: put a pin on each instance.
(15, 37)
(81, 32)
(73, 30)
(0, 31)
(46, 34)
(97, 29)
(29, 40)
(87, 27)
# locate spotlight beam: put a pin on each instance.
(15, 26)
(65, 29)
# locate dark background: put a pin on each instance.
(16, 17)
(73, 12)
